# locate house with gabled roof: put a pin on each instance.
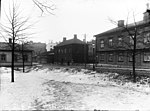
(71, 51)
(6, 56)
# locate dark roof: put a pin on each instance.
(5, 47)
(71, 41)
(129, 26)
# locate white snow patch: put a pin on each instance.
(100, 92)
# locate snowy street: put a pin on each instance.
(48, 88)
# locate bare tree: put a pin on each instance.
(45, 6)
(16, 30)
(132, 39)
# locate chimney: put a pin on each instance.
(10, 40)
(121, 23)
(64, 39)
(146, 16)
(75, 36)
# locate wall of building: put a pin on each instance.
(8, 60)
(71, 53)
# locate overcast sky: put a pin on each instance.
(79, 17)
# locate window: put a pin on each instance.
(110, 42)
(120, 57)
(3, 57)
(110, 57)
(131, 58)
(101, 43)
(119, 41)
(131, 39)
(146, 57)
(102, 57)
(25, 58)
(146, 37)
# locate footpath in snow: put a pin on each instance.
(53, 88)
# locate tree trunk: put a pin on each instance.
(12, 62)
(133, 66)
(23, 58)
(133, 56)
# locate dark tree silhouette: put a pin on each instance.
(16, 30)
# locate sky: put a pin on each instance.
(79, 17)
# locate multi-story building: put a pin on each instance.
(72, 50)
(115, 46)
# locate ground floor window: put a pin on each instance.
(146, 57)
(102, 57)
(110, 57)
(120, 57)
(130, 57)
(3, 57)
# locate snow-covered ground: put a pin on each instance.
(69, 88)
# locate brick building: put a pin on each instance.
(107, 43)
(72, 50)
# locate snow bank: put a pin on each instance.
(39, 88)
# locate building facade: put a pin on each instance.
(115, 46)
(46, 57)
(6, 58)
(71, 51)
(19, 55)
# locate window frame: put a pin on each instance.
(102, 57)
(146, 53)
(120, 55)
(110, 42)
(3, 57)
(102, 45)
(146, 38)
(110, 55)
(120, 41)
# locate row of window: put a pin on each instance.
(121, 57)
(110, 42)
(145, 39)
(63, 51)
(3, 58)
